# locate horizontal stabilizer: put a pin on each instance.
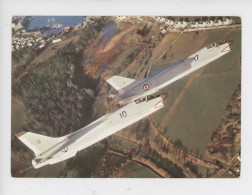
(37, 143)
(119, 82)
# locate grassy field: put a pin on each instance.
(17, 117)
(202, 101)
(47, 171)
(83, 165)
(134, 170)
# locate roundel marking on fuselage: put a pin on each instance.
(146, 87)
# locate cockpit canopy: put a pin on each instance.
(217, 44)
(221, 43)
(211, 45)
(148, 98)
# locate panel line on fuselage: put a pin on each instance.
(155, 76)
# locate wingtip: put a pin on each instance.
(20, 134)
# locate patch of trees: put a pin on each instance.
(54, 93)
(143, 129)
(23, 55)
(212, 18)
(163, 145)
(197, 19)
(87, 161)
(54, 99)
(193, 168)
(143, 31)
(108, 165)
(178, 144)
(164, 56)
(91, 31)
(146, 57)
(165, 164)
(128, 60)
(205, 18)
(237, 20)
(171, 18)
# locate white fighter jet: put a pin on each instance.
(49, 150)
(138, 95)
(130, 89)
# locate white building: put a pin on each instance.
(177, 24)
(202, 24)
(194, 24)
(227, 22)
(162, 19)
(163, 31)
(56, 40)
(183, 24)
(29, 44)
(41, 46)
(170, 22)
(217, 23)
(210, 23)
(18, 26)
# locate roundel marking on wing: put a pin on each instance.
(65, 149)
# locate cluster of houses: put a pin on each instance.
(36, 42)
(170, 24)
(21, 38)
(30, 41)
(202, 24)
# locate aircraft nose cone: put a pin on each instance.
(230, 42)
(164, 96)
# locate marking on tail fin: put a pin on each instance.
(37, 143)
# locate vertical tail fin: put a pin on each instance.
(119, 82)
(37, 143)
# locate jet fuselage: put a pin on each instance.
(98, 130)
(152, 84)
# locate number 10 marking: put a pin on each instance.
(123, 114)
